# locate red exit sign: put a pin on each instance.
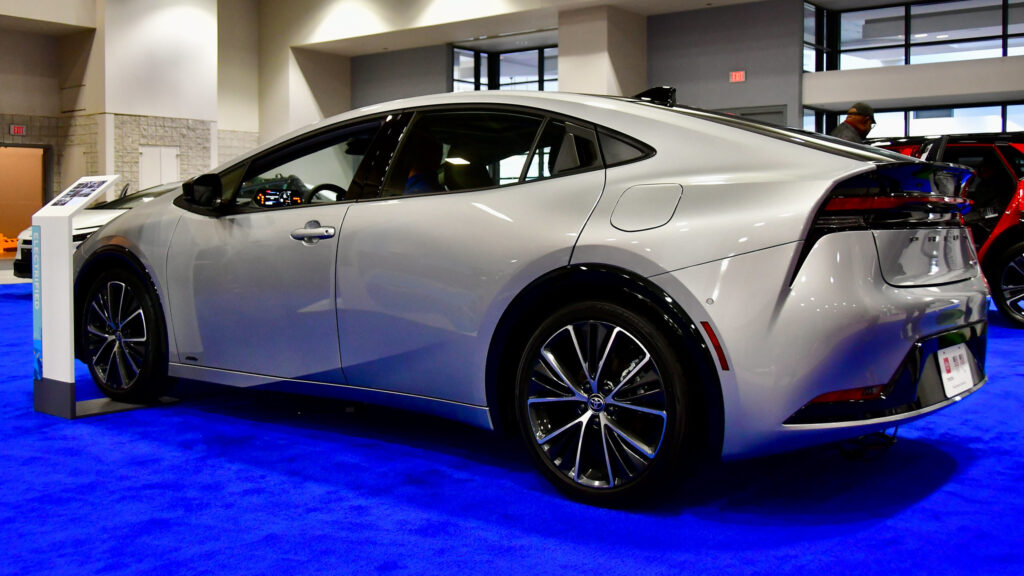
(17, 129)
(738, 76)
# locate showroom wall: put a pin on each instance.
(238, 107)
(28, 72)
(695, 51)
(390, 75)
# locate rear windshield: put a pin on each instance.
(800, 137)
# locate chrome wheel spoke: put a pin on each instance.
(549, 437)
(659, 413)
(1015, 299)
(604, 357)
(634, 442)
(604, 446)
(554, 365)
(579, 446)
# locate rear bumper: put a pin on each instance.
(915, 389)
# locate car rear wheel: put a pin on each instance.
(1007, 283)
(601, 402)
(122, 335)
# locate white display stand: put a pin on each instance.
(53, 314)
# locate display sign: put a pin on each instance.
(738, 76)
(52, 296)
(17, 129)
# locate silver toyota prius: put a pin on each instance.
(636, 287)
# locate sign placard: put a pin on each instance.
(52, 295)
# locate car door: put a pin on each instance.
(991, 189)
(254, 287)
(476, 204)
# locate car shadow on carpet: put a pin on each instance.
(819, 485)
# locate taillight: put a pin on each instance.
(894, 196)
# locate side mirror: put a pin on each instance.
(203, 191)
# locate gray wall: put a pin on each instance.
(390, 75)
(695, 51)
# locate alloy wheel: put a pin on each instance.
(596, 404)
(1011, 284)
(116, 337)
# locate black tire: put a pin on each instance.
(123, 337)
(1006, 279)
(601, 401)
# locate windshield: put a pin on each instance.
(133, 200)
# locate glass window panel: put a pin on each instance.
(871, 58)
(810, 24)
(1016, 16)
(956, 52)
(459, 86)
(312, 176)
(465, 68)
(550, 63)
(808, 120)
(867, 28)
(1015, 47)
(519, 67)
(809, 62)
(1015, 118)
(888, 125)
(551, 85)
(484, 85)
(956, 20)
(449, 151)
(963, 120)
(521, 86)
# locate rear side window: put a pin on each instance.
(563, 148)
(451, 151)
(617, 151)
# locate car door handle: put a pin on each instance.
(313, 233)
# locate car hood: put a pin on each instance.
(83, 221)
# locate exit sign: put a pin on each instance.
(738, 76)
(17, 129)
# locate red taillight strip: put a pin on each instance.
(890, 202)
(716, 345)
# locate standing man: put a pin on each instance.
(859, 121)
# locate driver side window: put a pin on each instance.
(315, 171)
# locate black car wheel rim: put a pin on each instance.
(596, 404)
(116, 337)
(1011, 285)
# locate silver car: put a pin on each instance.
(637, 288)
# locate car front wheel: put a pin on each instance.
(601, 402)
(123, 338)
(1007, 283)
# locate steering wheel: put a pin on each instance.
(326, 192)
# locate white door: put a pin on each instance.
(157, 165)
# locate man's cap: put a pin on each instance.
(862, 109)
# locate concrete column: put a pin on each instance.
(602, 50)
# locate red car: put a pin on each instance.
(997, 192)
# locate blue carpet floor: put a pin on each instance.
(247, 482)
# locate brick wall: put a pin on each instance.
(231, 143)
(191, 137)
